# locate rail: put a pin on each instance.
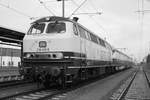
(125, 90)
(148, 81)
(17, 95)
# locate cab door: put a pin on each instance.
(83, 48)
(83, 52)
(80, 32)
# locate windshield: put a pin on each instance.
(36, 28)
(57, 27)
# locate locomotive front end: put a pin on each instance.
(43, 50)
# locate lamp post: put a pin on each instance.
(63, 7)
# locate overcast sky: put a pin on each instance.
(119, 22)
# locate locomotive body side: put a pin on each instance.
(62, 51)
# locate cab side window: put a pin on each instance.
(82, 32)
(93, 38)
(75, 29)
(101, 42)
(88, 35)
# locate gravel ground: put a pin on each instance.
(8, 71)
(17, 89)
(100, 90)
(147, 70)
(139, 89)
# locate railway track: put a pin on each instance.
(18, 89)
(13, 83)
(44, 94)
(125, 90)
(133, 88)
(148, 81)
(40, 94)
(17, 95)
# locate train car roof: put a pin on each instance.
(52, 18)
(115, 50)
(9, 35)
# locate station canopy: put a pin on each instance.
(11, 36)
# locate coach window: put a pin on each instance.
(57, 27)
(75, 29)
(82, 32)
(36, 28)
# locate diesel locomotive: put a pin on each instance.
(62, 51)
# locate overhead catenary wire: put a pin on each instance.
(49, 1)
(78, 8)
(42, 3)
(100, 26)
(91, 3)
(24, 14)
(15, 10)
(74, 2)
(86, 12)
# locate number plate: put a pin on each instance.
(43, 50)
(42, 44)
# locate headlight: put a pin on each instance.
(57, 55)
(28, 55)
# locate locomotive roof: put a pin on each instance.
(52, 18)
(57, 18)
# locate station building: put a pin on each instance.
(10, 47)
(10, 56)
